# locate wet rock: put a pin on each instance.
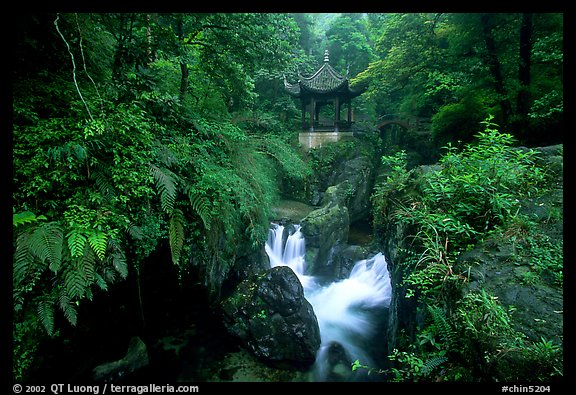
(325, 229)
(273, 319)
(136, 358)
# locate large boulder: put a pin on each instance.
(273, 319)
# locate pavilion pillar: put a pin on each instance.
(349, 102)
(303, 108)
(312, 113)
(336, 114)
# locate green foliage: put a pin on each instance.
(475, 191)
(25, 217)
(73, 260)
(487, 324)
(410, 366)
(544, 257)
(545, 359)
(444, 327)
(458, 122)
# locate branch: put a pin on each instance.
(73, 66)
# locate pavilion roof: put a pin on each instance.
(325, 80)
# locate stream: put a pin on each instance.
(347, 310)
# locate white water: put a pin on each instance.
(346, 310)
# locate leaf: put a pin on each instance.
(75, 280)
(120, 265)
(98, 241)
(176, 234)
(88, 263)
(46, 244)
(25, 217)
(433, 363)
(201, 205)
(116, 260)
(76, 242)
(67, 307)
(22, 260)
(166, 182)
(46, 314)
(101, 282)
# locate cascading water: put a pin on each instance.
(346, 310)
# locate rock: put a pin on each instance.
(136, 358)
(273, 319)
(327, 230)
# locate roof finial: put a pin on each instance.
(326, 56)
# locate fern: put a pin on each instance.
(76, 242)
(89, 264)
(46, 244)
(101, 178)
(25, 217)
(201, 205)
(75, 279)
(98, 240)
(432, 363)
(176, 234)
(100, 282)
(67, 307)
(447, 333)
(23, 259)
(166, 182)
(118, 261)
(46, 314)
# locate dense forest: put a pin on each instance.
(140, 138)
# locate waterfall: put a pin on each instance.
(347, 310)
(290, 253)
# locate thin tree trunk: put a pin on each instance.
(523, 100)
(495, 67)
(183, 66)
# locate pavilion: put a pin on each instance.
(326, 87)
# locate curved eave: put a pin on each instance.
(325, 80)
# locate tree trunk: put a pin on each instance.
(523, 100)
(183, 66)
(494, 65)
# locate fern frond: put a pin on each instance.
(46, 314)
(45, 243)
(88, 263)
(67, 307)
(76, 242)
(109, 275)
(166, 182)
(176, 234)
(100, 282)
(101, 178)
(135, 231)
(201, 205)
(75, 279)
(25, 217)
(23, 259)
(79, 152)
(446, 331)
(432, 363)
(116, 255)
(98, 240)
